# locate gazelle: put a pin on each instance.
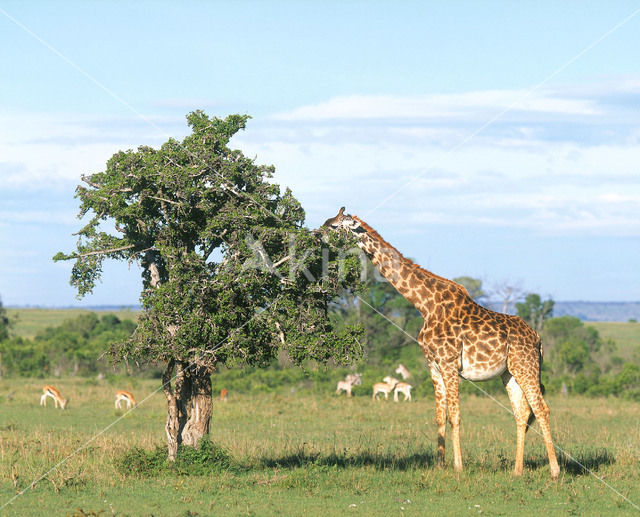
(127, 397)
(223, 395)
(351, 380)
(385, 387)
(403, 372)
(354, 378)
(404, 388)
(50, 391)
(390, 380)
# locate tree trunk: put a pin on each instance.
(189, 405)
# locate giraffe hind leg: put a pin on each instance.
(531, 387)
(523, 415)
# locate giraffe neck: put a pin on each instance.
(420, 287)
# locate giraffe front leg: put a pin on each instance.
(451, 382)
(441, 410)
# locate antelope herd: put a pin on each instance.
(49, 391)
(388, 385)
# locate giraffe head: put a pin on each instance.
(342, 221)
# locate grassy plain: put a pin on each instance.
(28, 322)
(299, 453)
(626, 335)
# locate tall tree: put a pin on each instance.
(534, 311)
(230, 274)
(507, 294)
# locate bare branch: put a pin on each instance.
(102, 252)
(173, 163)
(282, 261)
(89, 182)
(165, 200)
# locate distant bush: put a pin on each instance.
(577, 357)
(73, 347)
(23, 357)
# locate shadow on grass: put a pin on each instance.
(576, 463)
(420, 459)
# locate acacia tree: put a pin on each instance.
(534, 311)
(230, 275)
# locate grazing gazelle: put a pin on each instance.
(385, 387)
(127, 397)
(50, 391)
(403, 372)
(351, 380)
(404, 388)
(390, 380)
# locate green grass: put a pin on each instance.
(626, 336)
(28, 322)
(296, 454)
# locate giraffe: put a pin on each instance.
(460, 338)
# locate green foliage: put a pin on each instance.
(578, 357)
(73, 347)
(372, 308)
(572, 346)
(534, 311)
(142, 462)
(204, 460)
(230, 274)
(23, 357)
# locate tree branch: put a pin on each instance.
(101, 252)
(165, 200)
(89, 182)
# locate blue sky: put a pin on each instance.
(493, 139)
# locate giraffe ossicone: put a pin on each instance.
(461, 338)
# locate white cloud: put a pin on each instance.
(356, 151)
(543, 186)
(440, 106)
(41, 151)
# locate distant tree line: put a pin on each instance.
(75, 347)
(576, 358)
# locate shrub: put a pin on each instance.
(143, 463)
(207, 458)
